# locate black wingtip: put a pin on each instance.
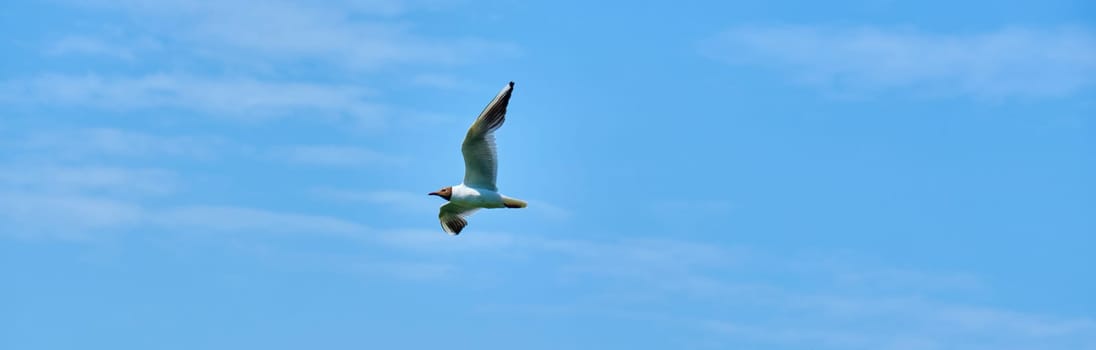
(511, 84)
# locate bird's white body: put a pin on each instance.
(472, 197)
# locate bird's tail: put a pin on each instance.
(513, 202)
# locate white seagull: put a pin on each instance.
(480, 169)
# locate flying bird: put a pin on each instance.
(480, 169)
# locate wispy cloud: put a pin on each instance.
(438, 81)
(76, 202)
(85, 143)
(352, 34)
(429, 241)
(119, 181)
(905, 323)
(264, 46)
(243, 98)
(64, 216)
(334, 155)
(219, 219)
(1010, 62)
(398, 200)
(549, 210)
(808, 301)
(82, 217)
(660, 265)
(705, 206)
(408, 270)
(89, 46)
(632, 277)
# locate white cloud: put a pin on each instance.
(243, 98)
(704, 206)
(436, 241)
(438, 81)
(1011, 62)
(904, 323)
(75, 144)
(823, 338)
(548, 210)
(659, 266)
(334, 155)
(118, 181)
(894, 279)
(63, 216)
(352, 34)
(632, 277)
(89, 46)
(627, 276)
(83, 217)
(206, 219)
(390, 199)
(264, 46)
(409, 270)
(76, 202)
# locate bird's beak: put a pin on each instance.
(433, 194)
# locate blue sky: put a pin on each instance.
(734, 175)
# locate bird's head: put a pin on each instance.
(443, 193)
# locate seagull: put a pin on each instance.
(480, 169)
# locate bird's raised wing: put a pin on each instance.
(452, 217)
(480, 157)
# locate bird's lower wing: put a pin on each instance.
(452, 217)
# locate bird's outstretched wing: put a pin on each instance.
(452, 217)
(480, 157)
